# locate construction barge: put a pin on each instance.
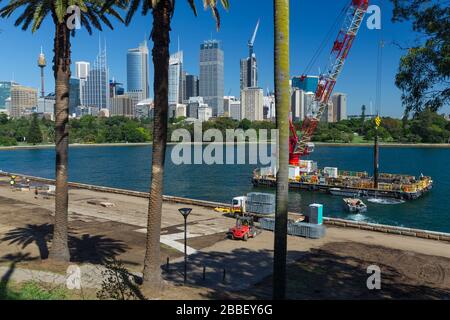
(306, 176)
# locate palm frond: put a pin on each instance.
(94, 13)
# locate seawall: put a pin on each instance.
(342, 223)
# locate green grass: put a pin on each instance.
(31, 291)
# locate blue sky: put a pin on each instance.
(310, 22)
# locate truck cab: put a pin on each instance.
(238, 205)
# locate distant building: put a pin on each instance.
(177, 110)
(298, 104)
(204, 113)
(46, 106)
(181, 111)
(269, 105)
(74, 95)
(144, 109)
(192, 106)
(23, 100)
(95, 93)
(138, 71)
(176, 94)
(115, 88)
(82, 69)
(212, 75)
(252, 100)
(232, 108)
(249, 72)
(328, 114)
(307, 84)
(5, 92)
(191, 87)
(339, 101)
(122, 105)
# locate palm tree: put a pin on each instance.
(92, 14)
(162, 11)
(281, 17)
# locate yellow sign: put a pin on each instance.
(378, 121)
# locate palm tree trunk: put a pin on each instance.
(162, 15)
(281, 18)
(61, 69)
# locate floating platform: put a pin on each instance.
(351, 184)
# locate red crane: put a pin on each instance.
(299, 147)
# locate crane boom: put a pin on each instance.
(327, 81)
(252, 40)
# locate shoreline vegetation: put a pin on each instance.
(427, 129)
(318, 144)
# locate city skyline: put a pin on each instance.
(307, 31)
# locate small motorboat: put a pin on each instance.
(355, 205)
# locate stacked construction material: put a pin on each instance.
(260, 203)
(300, 229)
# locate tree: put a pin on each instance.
(162, 12)
(34, 134)
(424, 70)
(61, 12)
(282, 98)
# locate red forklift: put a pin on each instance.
(244, 229)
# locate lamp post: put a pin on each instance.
(185, 213)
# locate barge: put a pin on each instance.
(306, 176)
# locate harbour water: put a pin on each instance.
(128, 167)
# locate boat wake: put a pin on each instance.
(357, 217)
(385, 201)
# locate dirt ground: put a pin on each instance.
(334, 267)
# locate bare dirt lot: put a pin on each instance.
(334, 267)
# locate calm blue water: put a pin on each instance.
(128, 167)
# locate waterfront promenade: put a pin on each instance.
(105, 224)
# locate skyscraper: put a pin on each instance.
(249, 68)
(138, 71)
(212, 75)
(82, 69)
(249, 72)
(298, 104)
(339, 101)
(191, 87)
(95, 93)
(74, 95)
(252, 102)
(175, 78)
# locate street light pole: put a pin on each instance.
(185, 213)
(185, 249)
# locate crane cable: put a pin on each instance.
(379, 80)
(326, 40)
